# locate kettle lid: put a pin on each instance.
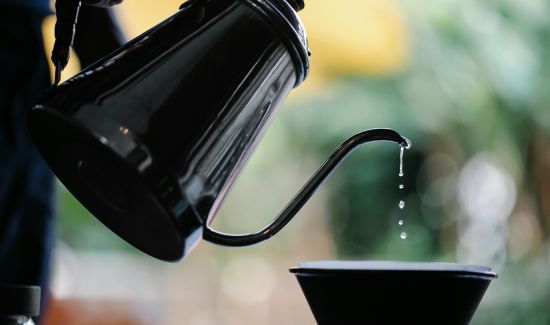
(296, 4)
(283, 14)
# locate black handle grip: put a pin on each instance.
(67, 15)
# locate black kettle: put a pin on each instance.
(151, 137)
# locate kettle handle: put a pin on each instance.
(307, 190)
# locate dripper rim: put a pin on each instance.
(338, 266)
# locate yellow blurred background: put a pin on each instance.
(362, 37)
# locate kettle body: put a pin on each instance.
(150, 138)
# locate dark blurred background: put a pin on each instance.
(467, 81)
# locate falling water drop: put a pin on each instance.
(401, 186)
(401, 161)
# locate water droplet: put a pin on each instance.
(401, 204)
(401, 186)
(403, 235)
(400, 222)
(402, 150)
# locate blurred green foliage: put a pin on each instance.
(78, 228)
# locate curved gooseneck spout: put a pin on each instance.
(307, 190)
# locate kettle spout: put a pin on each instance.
(307, 190)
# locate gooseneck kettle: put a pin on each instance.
(151, 137)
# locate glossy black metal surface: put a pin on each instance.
(151, 137)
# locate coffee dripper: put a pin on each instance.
(151, 137)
